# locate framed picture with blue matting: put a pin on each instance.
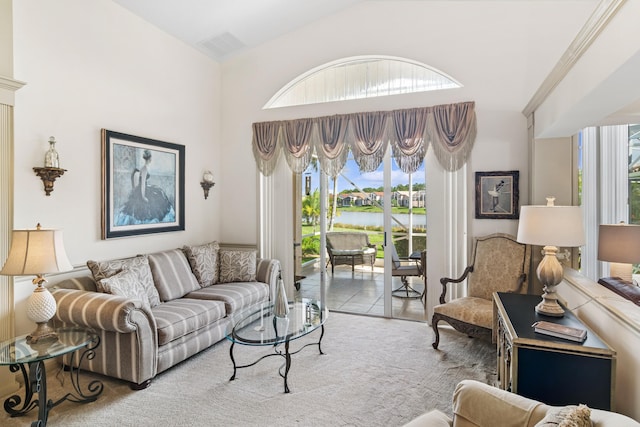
(142, 185)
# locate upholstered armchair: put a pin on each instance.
(498, 264)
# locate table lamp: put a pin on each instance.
(620, 245)
(38, 252)
(550, 226)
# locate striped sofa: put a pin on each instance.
(145, 333)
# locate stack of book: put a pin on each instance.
(560, 331)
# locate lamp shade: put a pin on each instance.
(619, 243)
(551, 226)
(36, 252)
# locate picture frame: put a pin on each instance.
(142, 185)
(497, 195)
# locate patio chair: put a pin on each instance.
(407, 268)
(498, 264)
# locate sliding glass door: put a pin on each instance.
(364, 210)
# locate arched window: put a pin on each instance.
(361, 77)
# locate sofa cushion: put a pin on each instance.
(125, 284)
(204, 262)
(236, 296)
(237, 265)
(567, 416)
(182, 316)
(172, 274)
(139, 264)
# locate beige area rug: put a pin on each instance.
(375, 372)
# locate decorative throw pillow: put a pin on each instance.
(567, 416)
(172, 274)
(126, 284)
(204, 262)
(139, 264)
(237, 266)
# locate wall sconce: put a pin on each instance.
(207, 183)
(307, 184)
(51, 170)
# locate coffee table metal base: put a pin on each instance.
(277, 352)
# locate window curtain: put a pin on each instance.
(369, 143)
(296, 141)
(452, 132)
(330, 143)
(265, 146)
(408, 144)
(450, 129)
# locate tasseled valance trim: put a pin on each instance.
(450, 129)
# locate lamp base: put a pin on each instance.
(550, 274)
(549, 306)
(42, 332)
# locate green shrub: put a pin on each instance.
(310, 246)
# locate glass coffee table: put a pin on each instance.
(257, 326)
(19, 354)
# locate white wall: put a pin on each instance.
(468, 42)
(617, 321)
(602, 82)
(93, 65)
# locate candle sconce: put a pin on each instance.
(51, 170)
(207, 183)
(48, 177)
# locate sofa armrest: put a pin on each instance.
(268, 271)
(479, 404)
(433, 418)
(102, 311)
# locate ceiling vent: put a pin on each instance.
(222, 45)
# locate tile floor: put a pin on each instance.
(361, 291)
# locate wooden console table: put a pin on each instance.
(552, 370)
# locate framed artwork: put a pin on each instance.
(142, 185)
(497, 195)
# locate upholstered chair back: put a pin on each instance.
(499, 263)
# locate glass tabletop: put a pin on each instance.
(257, 325)
(18, 350)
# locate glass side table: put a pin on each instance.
(20, 355)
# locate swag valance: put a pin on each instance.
(450, 129)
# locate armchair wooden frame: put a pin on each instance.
(509, 260)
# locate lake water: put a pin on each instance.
(377, 219)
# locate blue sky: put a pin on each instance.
(370, 179)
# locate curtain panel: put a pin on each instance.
(450, 129)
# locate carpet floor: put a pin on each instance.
(375, 372)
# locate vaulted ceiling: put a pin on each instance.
(222, 29)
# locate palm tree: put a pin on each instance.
(334, 205)
(311, 208)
